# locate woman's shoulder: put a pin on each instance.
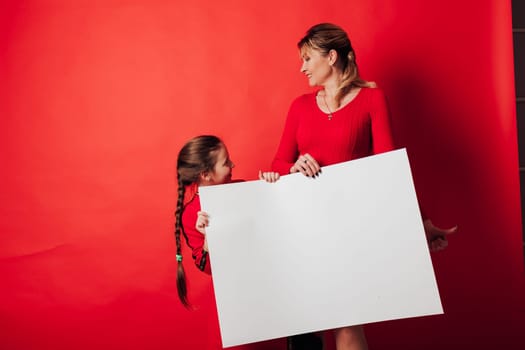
(371, 84)
(373, 90)
(372, 87)
(304, 100)
(306, 97)
(373, 98)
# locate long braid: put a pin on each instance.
(181, 276)
(196, 156)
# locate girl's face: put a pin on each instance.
(222, 171)
(315, 66)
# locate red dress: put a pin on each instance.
(359, 129)
(194, 239)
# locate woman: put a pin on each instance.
(346, 119)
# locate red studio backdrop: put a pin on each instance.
(97, 97)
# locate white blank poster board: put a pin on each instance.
(305, 254)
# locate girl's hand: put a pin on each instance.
(268, 176)
(205, 245)
(202, 222)
(306, 165)
(437, 237)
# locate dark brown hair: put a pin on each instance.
(325, 37)
(198, 155)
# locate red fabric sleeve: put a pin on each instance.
(287, 152)
(382, 140)
(381, 130)
(195, 239)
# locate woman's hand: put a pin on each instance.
(268, 176)
(306, 165)
(202, 222)
(437, 237)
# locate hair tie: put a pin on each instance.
(179, 257)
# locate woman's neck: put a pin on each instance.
(331, 87)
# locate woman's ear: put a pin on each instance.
(332, 57)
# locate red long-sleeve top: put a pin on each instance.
(194, 239)
(359, 129)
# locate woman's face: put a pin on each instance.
(222, 171)
(315, 66)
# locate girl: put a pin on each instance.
(202, 161)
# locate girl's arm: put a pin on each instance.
(195, 239)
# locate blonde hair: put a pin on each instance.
(325, 37)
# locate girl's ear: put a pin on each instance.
(205, 177)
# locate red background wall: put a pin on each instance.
(97, 97)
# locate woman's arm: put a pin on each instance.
(382, 140)
(287, 152)
(437, 237)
